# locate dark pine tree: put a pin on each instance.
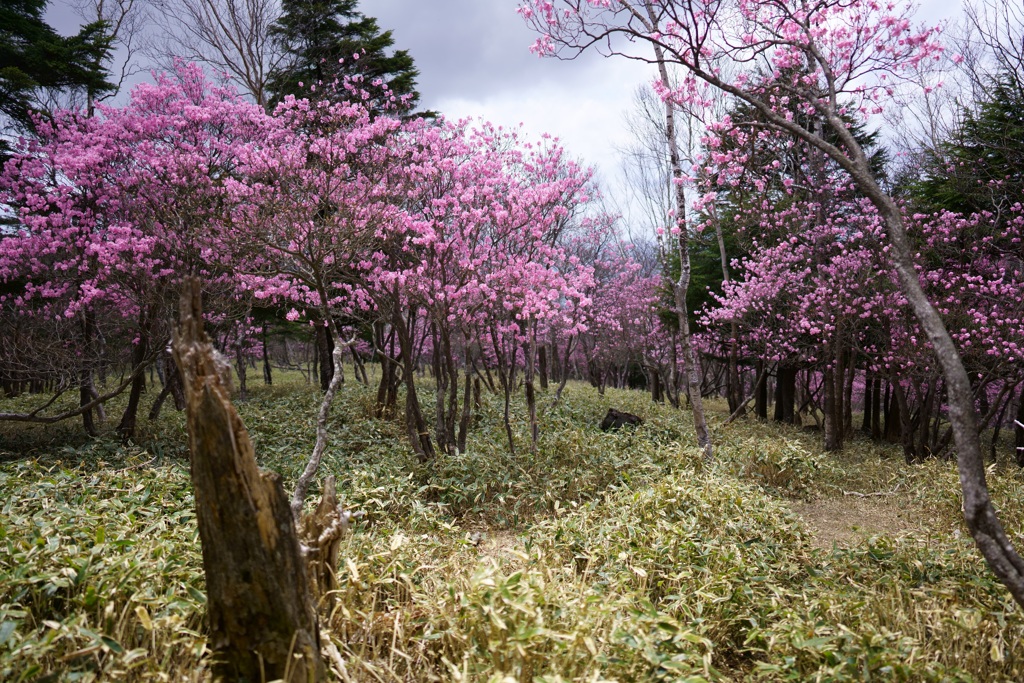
(322, 39)
(36, 60)
(981, 166)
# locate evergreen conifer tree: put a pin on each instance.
(327, 40)
(981, 166)
(35, 61)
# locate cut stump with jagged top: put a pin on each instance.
(261, 608)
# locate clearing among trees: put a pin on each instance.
(618, 555)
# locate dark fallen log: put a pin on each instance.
(616, 419)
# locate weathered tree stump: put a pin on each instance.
(261, 609)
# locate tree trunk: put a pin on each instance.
(268, 374)
(906, 427)
(869, 383)
(478, 404)
(450, 369)
(86, 388)
(1006, 400)
(924, 419)
(570, 346)
(467, 411)
(314, 360)
(682, 285)
(381, 408)
(833, 442)
(529, 351)
(172, 387)
(785, 394)
(261, 618)
(140, 350)
(241, 367)
(851, 372)
(761, 391)
(444, 434)
(507, 377)
(1018, 430)
(838, 406)
(325, 354)
(415, 424)
(876, 410)
(891, 433)
(320, 534)
(322, 434)
(387, 390)
(556, 369)
(360, 367)
(86, 394)
(734, 382)
(657, 394)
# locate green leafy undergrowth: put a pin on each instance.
(780, 464)
(617, 556)
(658, 584)
(698, 577)
(100, 573)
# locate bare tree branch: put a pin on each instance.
(230, 36)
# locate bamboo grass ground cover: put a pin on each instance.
(601, 557)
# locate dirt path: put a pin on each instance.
(848, 520)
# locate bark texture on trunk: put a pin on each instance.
(321, 532)
(140, 351)
(1018, 430)
(261, 616)
(268, 373)
(761, 391)
(542, 366)
(324, 354)
(785, 394)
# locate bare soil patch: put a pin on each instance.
(848, 520)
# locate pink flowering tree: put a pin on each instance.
(805, 226)
(315, 205)
(586, 240)
(975, 279)
(536, 281)
(811, 301)
(624, 333)
(113, 212)
(483, 265)
(817, 293)
(831, 59)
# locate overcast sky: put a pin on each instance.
(474, 60)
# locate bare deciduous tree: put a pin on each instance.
(995, 37)
(231, 36)
(126, 22)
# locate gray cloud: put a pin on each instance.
(474, 60)
(472, 48)
(469, 49)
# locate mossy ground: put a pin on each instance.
(601, 557)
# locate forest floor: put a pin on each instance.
(600, 557)
(850, 520)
